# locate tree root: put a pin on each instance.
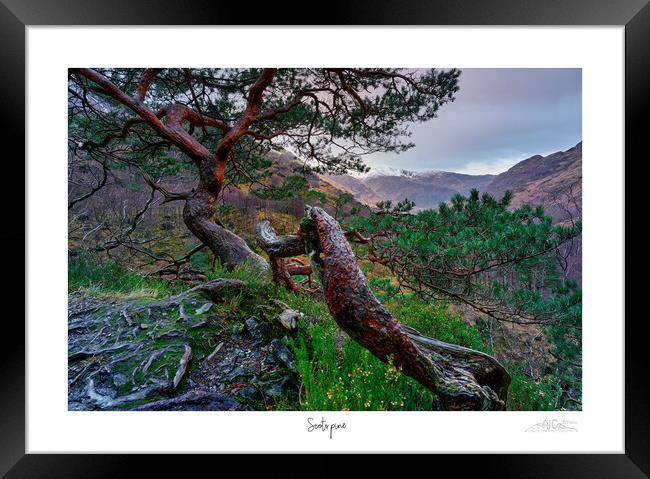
(106, 402)
(183, 365)
(193, 400)
(214, 290)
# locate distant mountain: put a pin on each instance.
(427, 189)
(554, 181)
(286, 164)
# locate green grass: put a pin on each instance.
(86, 273)
(349, 377)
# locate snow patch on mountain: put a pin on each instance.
(382, 170)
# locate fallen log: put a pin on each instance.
(460, 378)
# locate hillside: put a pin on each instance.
(554, 181)
(427, 189)
(286, 164)
(212, 266)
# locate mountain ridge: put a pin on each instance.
(536, 180)
(553, 181)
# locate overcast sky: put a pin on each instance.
(500, 117)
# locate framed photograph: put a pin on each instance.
(371, 235)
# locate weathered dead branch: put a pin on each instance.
(278, 248)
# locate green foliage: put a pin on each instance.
(566, 335)
(293, 186)
(315, 195)
(502, 262)
(340, 203)
(526, 394)
(383, 288)
(317, 110)
(434, 319)
(478, 251)
(404, 206)
(344, 198)
(473, 249)
(257, 282)
(351, 378)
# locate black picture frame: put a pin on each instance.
(15, 15)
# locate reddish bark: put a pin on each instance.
(145, 81)
(281, 274)
(298, 269)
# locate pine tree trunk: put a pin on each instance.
(199, 215)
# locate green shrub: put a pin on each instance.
(526, 394)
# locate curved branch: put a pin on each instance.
(145, 82)
(172, 132)
(278, 248)
(351, 91)
(253, 105)
(123, 133)
(168, 195)
(274, 245)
